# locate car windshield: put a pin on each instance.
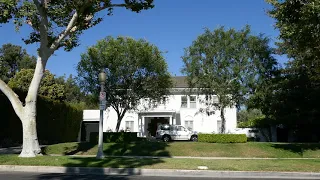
(164, 127)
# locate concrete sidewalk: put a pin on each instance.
(187, 157)
(160, 172)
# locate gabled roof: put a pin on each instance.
(180, 82)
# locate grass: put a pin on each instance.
(304, 165)
(251, 149)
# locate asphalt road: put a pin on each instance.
(55, 176)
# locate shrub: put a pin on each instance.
(57, 122)
(117, 137)
(222, 138)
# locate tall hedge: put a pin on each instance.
(56, 121)
(222, 138)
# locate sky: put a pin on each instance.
(171, 25)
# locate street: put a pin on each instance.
(57, 176)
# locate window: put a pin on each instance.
(129, 126)
(189, 125)
(193, 102)
(184, 102)
(219, 126)
(180, 128)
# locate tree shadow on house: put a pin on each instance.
(298, 148)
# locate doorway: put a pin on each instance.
(155, 122)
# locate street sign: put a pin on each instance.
(102, 96)
(103, 105)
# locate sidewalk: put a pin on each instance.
(159, 172)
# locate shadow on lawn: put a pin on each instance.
(119, 165)
(298, 148)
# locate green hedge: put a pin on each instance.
(116, 137)
(57, 122)
(222, 138)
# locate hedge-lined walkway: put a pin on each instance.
(192, 149)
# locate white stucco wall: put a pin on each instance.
(202, 122)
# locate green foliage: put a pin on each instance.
(56, 121)
(117, 137)
(255, 122)
(246, 115)
(49, 19)
(229, 64)
(48, 87)
(135, 70)
(222, 138)
(290, 97)
(13, 59)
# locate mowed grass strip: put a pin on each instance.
(196, 149)
(304, 165)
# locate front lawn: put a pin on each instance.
(197, 149)
(304, 165)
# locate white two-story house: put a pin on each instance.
(181, 108)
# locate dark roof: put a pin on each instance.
(180, 82)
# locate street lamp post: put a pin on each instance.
(102, 98)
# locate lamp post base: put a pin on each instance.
(100, 155)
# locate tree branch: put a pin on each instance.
(43, 25)
(64, 33)
(112, 5)
(13, 98)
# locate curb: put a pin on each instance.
(159, 172)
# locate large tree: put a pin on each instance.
(12, 59)
(227, 64)
(53, 24)
(293, 99)
(136, 70)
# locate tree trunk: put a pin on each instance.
(118, 125)
(223, 120)
(120, 117)
(30, 147)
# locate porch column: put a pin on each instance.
(171, 120)
(174, 120)
(142, 125)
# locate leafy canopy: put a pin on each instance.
(12, 59)
(135, 70)
(58, 23)
(229, 64)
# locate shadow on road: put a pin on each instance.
(82, 177)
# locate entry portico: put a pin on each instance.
(157, 116)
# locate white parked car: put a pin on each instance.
(168, 132)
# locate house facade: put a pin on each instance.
(180, 108)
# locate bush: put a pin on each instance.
(117, 137)
(222, 138)
(57, 122)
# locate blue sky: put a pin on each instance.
(172, 26)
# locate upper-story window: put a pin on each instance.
(184, 101)
(193, 102)
(188, 101)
